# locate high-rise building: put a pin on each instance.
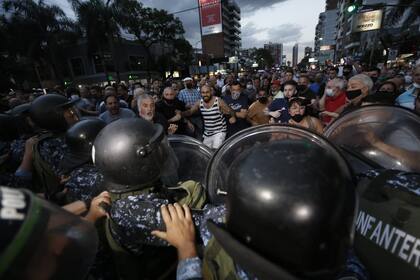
(353, 43)
(308, 51)
(331, 4)
(325, 35)
(220, 28)
(276, 51)
(347, 42)
(295, 55)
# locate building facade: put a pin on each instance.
(308, 51)
(276, 51)
(326, 33)
(129, 61)
(295, 55)
(400, 37)
(225, 42)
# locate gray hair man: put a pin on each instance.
(147, 110)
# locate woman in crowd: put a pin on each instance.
(299, 117)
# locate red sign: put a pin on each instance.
(211, 16)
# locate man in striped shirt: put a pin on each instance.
(212, 110)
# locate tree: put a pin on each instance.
(263, 58)
(180, 57)
(151, 26)
(34, 31)
(100, 21)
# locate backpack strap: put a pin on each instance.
(196, 194)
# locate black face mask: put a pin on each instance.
(301, 88)
(263, 99)
(189, 86)
(352, 94)
(385, 96)
(297, 118)
(169, 101)
(374, 79)
(346, 73)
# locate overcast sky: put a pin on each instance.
(278, 21)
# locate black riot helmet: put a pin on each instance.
(79, 140)
(290, 203)
(47, 112)
(20, 109)
(131, 153)
(25, 126)
(8, 131)
(41, 240)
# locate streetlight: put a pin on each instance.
(352, 8)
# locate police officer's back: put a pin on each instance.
(54, 114)
(136, 160)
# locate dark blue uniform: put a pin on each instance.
(52, 152)
(84, 184)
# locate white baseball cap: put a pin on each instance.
(187, 79)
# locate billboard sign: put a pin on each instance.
(211, 16)
(367, 21)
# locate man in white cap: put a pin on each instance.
(190, 95)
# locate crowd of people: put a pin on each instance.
(213, 108)
(255, 98)
(102, 154)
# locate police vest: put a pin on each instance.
(4, 157)
(45, 180)
(217, 264)
(388, 226)
(154, 262)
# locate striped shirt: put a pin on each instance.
(214, 121)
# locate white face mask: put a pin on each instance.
(249, 86)
(416, 85)
(329, 92)
(235, 95)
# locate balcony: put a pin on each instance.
(235, 12)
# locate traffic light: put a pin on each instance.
(352, 8)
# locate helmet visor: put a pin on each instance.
(386, 136)
(216, 175)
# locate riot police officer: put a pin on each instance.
(42, 241)
(289, 211)
(138, 163)
(83, 179)
(26, 129)
(54, 114)
(8, 133)
(383, 145)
